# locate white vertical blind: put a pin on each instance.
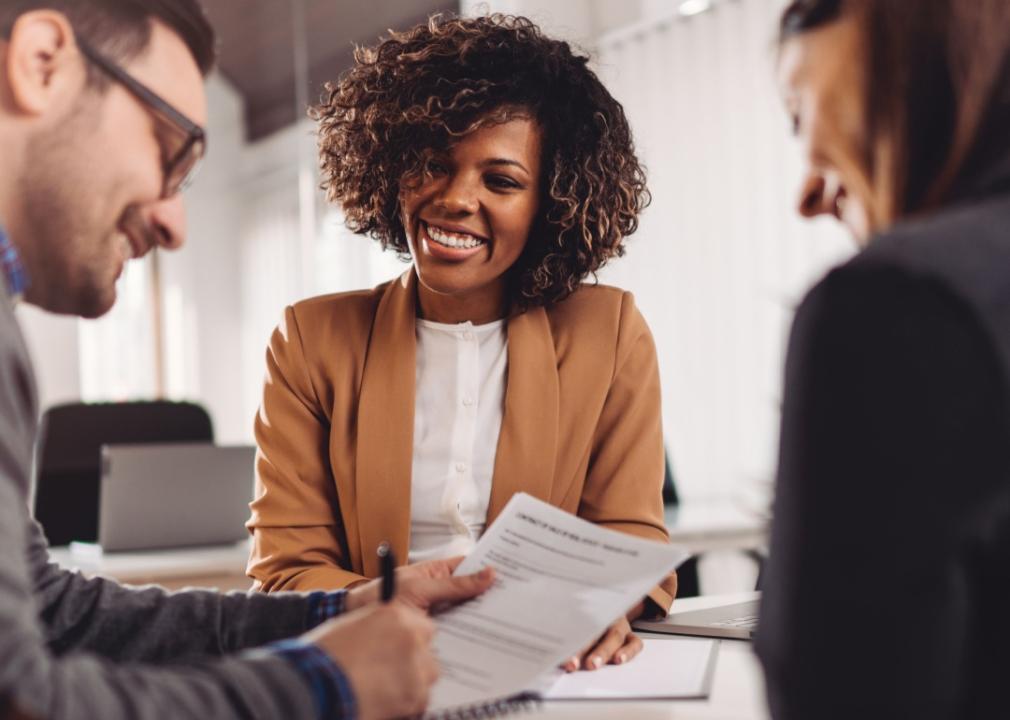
(720, 260)
(272, 264)
(117, 350)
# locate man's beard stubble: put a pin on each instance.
(69, 257)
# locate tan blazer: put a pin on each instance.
(581, 429)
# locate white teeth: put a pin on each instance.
(453, 240)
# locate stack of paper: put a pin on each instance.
(561, 581)
(666, 668)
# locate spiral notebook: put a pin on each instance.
(560, 582)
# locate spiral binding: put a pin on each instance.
(497, 708)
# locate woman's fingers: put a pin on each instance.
(632, 646)
(612, 642)
(609, 644)
(575, 662)
(617, 645)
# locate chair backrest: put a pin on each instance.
(68, 459)
(670, 496)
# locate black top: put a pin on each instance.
(888, 589)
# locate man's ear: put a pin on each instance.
(43, 65)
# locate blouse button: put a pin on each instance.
(468, 336)
(460, 467)
(468, 401)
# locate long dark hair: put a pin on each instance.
(937, 92)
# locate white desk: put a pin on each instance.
(737, 687)
(698, 526)
(222, 567)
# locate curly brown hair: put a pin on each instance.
(417, 92)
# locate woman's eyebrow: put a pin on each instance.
(505, 161)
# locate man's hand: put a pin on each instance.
(426, 586)
(385, 651)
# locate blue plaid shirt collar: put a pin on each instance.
(13, 271)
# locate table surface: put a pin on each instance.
(221, 567)
(163, 563)
(700, 526)
(737, 686)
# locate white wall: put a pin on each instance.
(720, 258)
(277, 267)
(577, 21)
(53, 344)
(202, 282)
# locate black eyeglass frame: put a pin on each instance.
(195, 145)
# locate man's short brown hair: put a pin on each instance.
(122, 28)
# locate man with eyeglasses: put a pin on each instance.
(101, 107)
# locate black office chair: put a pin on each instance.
(68, 457)
(688, 584)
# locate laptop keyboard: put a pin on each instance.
(745, 622)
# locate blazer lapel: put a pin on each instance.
(385, 442)
(528, 442)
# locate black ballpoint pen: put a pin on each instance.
(388, 565)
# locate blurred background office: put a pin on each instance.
(717, 265)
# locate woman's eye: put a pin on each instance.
(502, 181)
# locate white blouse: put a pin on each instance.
(458, 408)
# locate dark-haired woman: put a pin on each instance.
(412, 413)
(889, 580)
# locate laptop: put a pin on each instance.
(173, 495)
(736, 622)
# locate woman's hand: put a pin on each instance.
(616, 646)
(426, 586)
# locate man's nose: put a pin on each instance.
(167, 219)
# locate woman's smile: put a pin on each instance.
(450, 243)
(468, 219)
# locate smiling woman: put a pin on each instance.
(494, 159)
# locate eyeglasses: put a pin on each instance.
(180, 163)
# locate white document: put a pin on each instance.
(666, 668)
(561, 581)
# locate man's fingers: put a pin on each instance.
(441, 569)
(457, 589)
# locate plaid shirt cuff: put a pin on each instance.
(14, 275)
(331, 691)
(325, 605)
